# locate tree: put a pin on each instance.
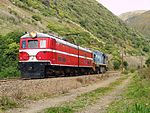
(9, 48)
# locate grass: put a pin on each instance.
(39, 97)
(80, 102)
(7, 103)
(135, 99)
(64, 109)
(85, 99)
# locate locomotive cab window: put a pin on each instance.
(23, 44)
(32, 44)
(42, 43)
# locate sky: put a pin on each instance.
(122, 6)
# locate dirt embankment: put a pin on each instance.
(90, 83)
(19, 89)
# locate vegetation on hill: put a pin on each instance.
(140, 20)
(83, 22)
(130, 14)
(141, 23)
(93, 19)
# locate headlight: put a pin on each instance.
(33, 34)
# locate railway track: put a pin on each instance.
(9, 79)
(17, 79)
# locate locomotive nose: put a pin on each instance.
(32, 57)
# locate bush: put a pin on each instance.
(9, 71)
(146, 49)
(46, 3)
(145, 73)
(9, 46)
(7, 103)
(125, 64)
(132, 70)
(126, 72)
(148, 62)
(36, 17)
(116, 64)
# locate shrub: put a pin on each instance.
(146, 49)
(125, 64)
(46, 3)
(7, 103)
(132, 70)
(12, 11)
(9, 45)
(148, 62)
(145, 73)
(116, 64)
(125, 72)
(36, 17)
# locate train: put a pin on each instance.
(43, 55)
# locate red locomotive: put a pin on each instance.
(42, 55)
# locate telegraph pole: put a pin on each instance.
(122, 57)
(122, 60)
(141, 58)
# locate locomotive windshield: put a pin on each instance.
(32, 43)
(23, 44)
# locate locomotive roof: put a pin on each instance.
(43, 35)
(98, 52)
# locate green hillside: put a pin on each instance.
(141, 23)
(83, 22)
(76, 19)
(130, 14)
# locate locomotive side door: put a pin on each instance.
(53, 47)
